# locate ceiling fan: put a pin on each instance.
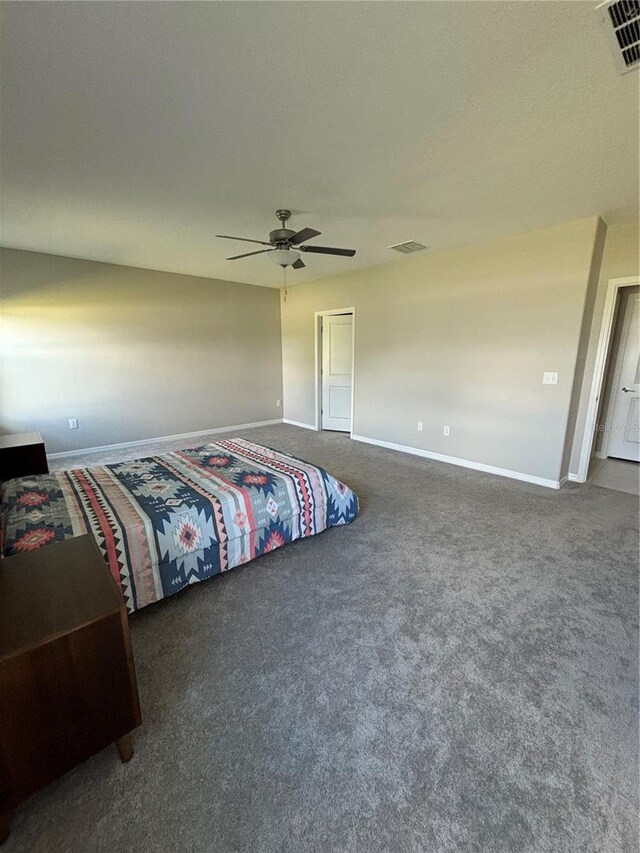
(281, 241)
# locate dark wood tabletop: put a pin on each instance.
(20, 439)
(50, 592)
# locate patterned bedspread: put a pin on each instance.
(168, 521)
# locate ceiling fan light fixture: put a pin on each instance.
(284, 257)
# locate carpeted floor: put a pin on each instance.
(456, 671)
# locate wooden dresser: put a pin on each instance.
(67, 678)
(22, 455)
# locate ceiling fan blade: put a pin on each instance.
(299, 264)
(328, 250)
(247, 254)
(244, 239)
(305, 234)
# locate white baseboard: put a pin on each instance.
(463, 463)
(299, 424)
(573, 478)
(69, 454)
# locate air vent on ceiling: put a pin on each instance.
(622, 20)
(408, 247)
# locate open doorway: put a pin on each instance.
(335, 350)
(614, 449)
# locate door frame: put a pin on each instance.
(616, 368)
(597, 383)
(318, 361)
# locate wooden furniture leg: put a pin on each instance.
(5, 826)
(124, 745)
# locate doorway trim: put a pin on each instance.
(318, 361)
(604, 341)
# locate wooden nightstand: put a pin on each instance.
(22, 455)
(67, 679)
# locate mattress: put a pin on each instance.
(167, 521)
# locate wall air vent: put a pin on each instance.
(408, 247)
(622, 20)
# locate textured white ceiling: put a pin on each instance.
(134, 132)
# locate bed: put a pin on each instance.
(167, 521)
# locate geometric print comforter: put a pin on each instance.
(168, 521)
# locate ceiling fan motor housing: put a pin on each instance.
(280, 235)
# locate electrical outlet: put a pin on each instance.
(419, 426)
(446, 431)
(278, 403)
(549, 378)
(73, 423)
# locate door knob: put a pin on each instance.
(627, 390)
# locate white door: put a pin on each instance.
(337, 364)
(624, 423)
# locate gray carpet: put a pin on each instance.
(456, 671)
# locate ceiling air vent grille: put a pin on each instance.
(622, 19)
(408, 247)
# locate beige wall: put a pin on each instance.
(574, 425)
(131, 353)
(620, 260)
(459, 337)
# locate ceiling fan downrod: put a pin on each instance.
(283, 234)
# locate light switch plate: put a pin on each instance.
(549, 378)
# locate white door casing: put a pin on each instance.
(623, 423)
(337, 365)
(596, 381)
